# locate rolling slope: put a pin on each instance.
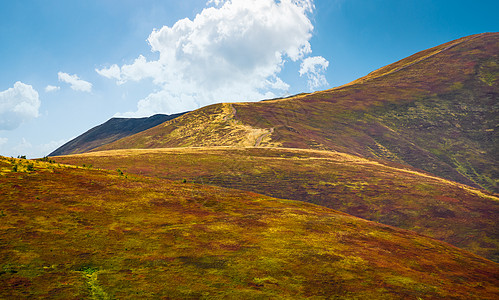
(73, 233)
(383, 192)
(436, 110)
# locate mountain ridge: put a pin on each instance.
(110, 131)
(437, 114)
(392, 68)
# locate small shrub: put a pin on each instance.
(88, 270)
(46, 159)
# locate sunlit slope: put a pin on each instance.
(436, 110)
(73, 233)
(389, 194)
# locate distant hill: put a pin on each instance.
(436, 110)
(112, 130)
(79, 233)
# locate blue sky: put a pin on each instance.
(67, 65)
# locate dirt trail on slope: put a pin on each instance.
(260, 138)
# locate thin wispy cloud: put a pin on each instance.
(112, 72)
(51, 88)
(75, 82)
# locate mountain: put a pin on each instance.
(436, 110)
(112, 130)
(384, 192)
(79, 233)
(207, 207)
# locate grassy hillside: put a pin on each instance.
(436, 110)
(73, 233)
(386, 193)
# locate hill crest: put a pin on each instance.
(436, 111)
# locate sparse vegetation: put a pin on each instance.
(121, 174)
(46, 159)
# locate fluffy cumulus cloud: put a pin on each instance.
(76, 83)
(314, 67)
(17, 105)
(51, 88)
(233, 50)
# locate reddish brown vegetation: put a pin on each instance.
(388, 194)
(73, 233)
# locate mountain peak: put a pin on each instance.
(435, 110)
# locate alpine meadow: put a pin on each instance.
(382, 188)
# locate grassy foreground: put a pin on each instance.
(381, 192)
(73, 233)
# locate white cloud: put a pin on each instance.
(51, 88)
(314, 67)
(3, 141)
(231, 51)
(17, 105)
(76, 83)
(215, 2)
(113, 72)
